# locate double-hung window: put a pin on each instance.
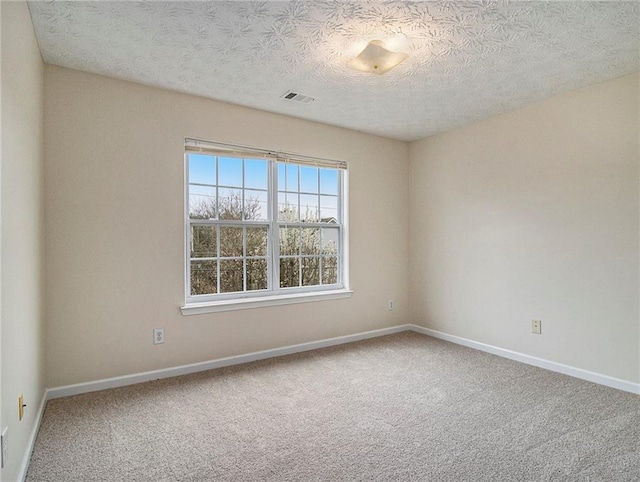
(262, 227)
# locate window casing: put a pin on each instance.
(261, 224)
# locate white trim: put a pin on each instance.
(24, 466)
(532, 360)
(193, 144)
(273, 295)
(344, 207)
(122, 381)
(261, 302)
(116, 382)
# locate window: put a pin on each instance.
(262, 225)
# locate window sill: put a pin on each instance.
(249, 303)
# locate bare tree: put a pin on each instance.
(304, 261)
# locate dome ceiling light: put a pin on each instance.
(376, 59)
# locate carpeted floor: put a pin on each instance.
(400, 407)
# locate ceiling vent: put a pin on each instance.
(303, 99)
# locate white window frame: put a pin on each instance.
(274, 295)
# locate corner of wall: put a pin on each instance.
(21, 222)
(535, 214)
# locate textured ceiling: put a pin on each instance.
(467, 60)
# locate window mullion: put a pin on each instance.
(187, 288)
(244, 254)
(187, 214)
(342, 254)
(217, 259)
(273, 243)
(299, 228)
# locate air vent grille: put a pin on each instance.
(294, 96)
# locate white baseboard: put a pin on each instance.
(115, 382)
(122, 381)
(22, 473)
(531, 360)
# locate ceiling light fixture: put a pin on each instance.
(376, 59)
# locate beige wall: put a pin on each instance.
(22, 235)
(114, 224)
(534, 215)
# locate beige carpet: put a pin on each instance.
(400, 407)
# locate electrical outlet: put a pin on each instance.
(4, 442)
(536, 327)
(392, 305)
(158, 336)
(21, 406)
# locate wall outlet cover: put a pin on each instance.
(536, 327)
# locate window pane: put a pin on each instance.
(202, 202)
(328, 181)
(282, 168)
(255, 173)
(230, 171)
(310, 271)
(230, 241)
(310, 240)
(329, 270)
(308, 179)
(230, 204)
(202, 169)
(203, 277)
(256, 274)
(256, 241)
(330, 240)
(255, 205)
(231, 275)
(309, 209)
(328, 209)
(289, 241)
(292, 177)
(203, 241)
(288, 207)
(289, 272)
(282, 207)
